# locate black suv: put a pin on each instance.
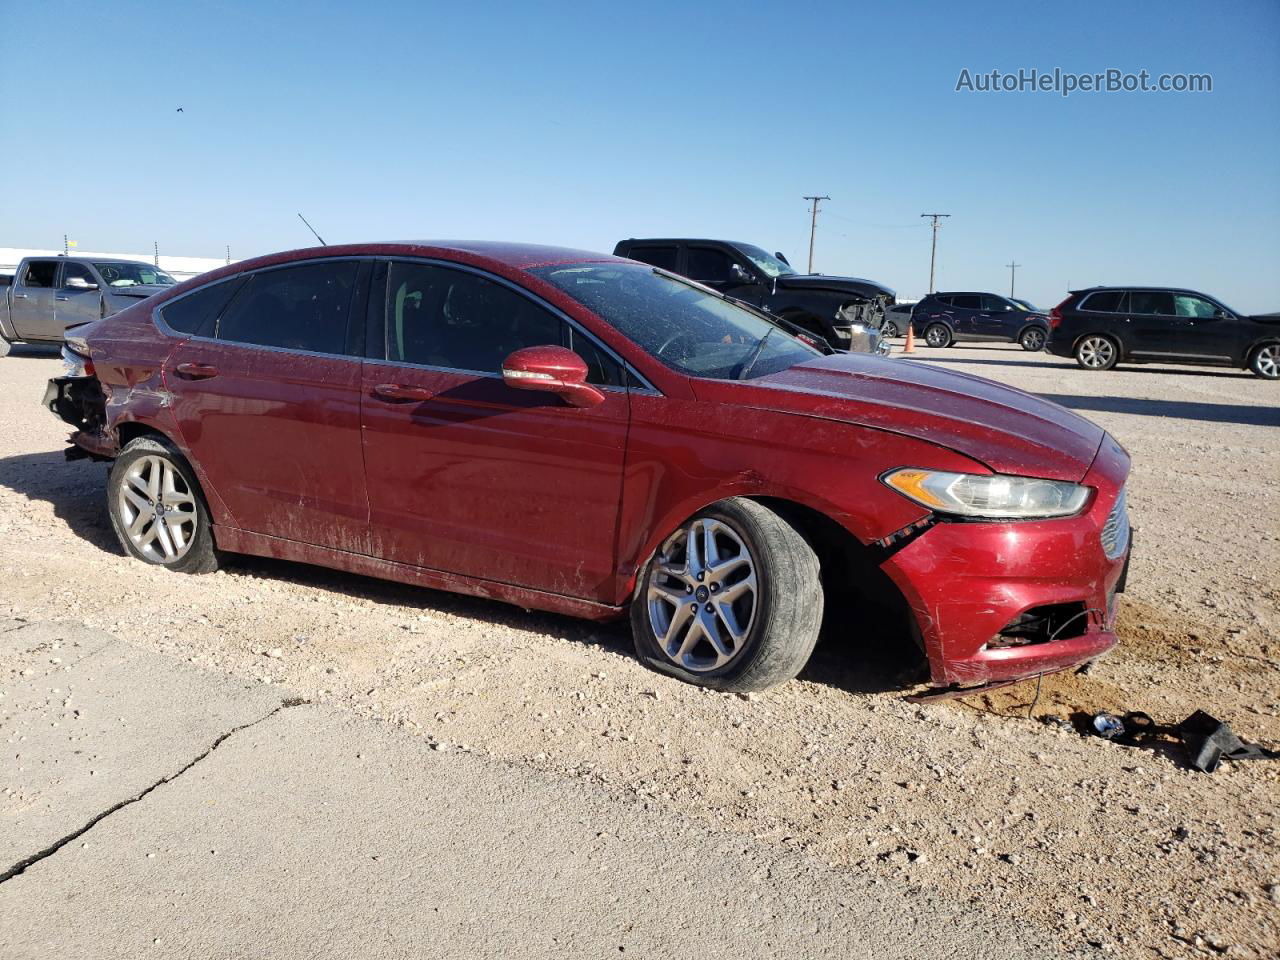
(943, 318)
(844, 311)
(1103, 326)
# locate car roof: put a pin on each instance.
(967, 293)
(732, 243)
(1129, 286)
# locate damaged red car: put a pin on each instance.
(580, 433)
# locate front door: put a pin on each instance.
(78, 299)
(1205, 330)
(32, 313)
(269, 406)
(469, 476)
(730, 275)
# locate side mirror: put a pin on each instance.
(79, 283)
(738, 273)
(778, 254)
(551, 369)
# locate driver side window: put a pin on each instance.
(1185, 305)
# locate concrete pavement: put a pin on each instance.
(182, 814)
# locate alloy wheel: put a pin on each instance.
(1033, 339)
(1097, 353)
(890, 329)
(936, 336)
(157, 510)
(702, 595)
(1267, 361)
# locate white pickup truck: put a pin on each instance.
(48, 294)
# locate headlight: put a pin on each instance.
(993, 495)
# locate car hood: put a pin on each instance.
(1008, 430)
(863, 288)
(140, 291)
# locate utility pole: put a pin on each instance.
(66, 245)
(228, 254)
(1013, 273)
(157, 247)
(933, 250)
(813, 226)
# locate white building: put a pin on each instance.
(180, 268)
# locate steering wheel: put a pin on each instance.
(678, 335)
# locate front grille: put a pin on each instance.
(1115, 532)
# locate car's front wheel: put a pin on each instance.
(1032, 339)
(1096, 352)
(1265, 361)
(731, 600)
(157, 510)
(938, 335)
(890, 329)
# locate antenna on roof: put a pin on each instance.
(313, 230)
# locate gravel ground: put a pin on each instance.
(981, 800)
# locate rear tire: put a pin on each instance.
(938, 335)
(1096, 352)
(1032, 340)
(740, 610)
(157, 509)
(5, 345)
(890, 329)
(1264, 362)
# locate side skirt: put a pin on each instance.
(234, 540)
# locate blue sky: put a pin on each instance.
(582, 125)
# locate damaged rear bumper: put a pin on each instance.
(80, 402)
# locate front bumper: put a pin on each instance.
(967, 583)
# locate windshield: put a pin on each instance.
(133, 275)
(1027, 305)
(687, 327)
(770, 265)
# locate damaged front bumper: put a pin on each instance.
(999, 601)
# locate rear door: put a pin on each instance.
(32, 313)
(269, 403)
(1153, 324)
(467, 475)
(79, 299)
(965, 309)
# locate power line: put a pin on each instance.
(813, 226)
(933, 249)
(1013, 273)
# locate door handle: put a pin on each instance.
(62, 298)
(19, 296)
(401, 393)
(197, 371)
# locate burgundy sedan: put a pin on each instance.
(584, 434)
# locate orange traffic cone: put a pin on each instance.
(911, 339)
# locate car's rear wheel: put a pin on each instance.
(157, 510)
(1096, 352)
(938, 335)
(1265, 361)
(1032, 339)
(890, 329)
(731, 600)
(5, 345)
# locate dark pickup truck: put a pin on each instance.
(845, 311)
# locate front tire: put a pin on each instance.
(890, 329)
(1265, 361)
(731, 600)
(1032, 340)
(1096, 352)
(938, 335)
(157, 509)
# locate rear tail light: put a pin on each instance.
(1055, 315)
(75, 364)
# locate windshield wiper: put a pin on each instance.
(755, 354)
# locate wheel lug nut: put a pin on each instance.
(688, 588)
(715, 588)
(710, 609)
(693, 607)
(699, 578)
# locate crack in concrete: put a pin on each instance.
(20, 867)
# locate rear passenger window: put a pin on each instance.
(967, 301)
(1108, 301)
(709, 265)
(40, 273)
(664, 257)
(298, 308)
(197, 312)
(1150, 301)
